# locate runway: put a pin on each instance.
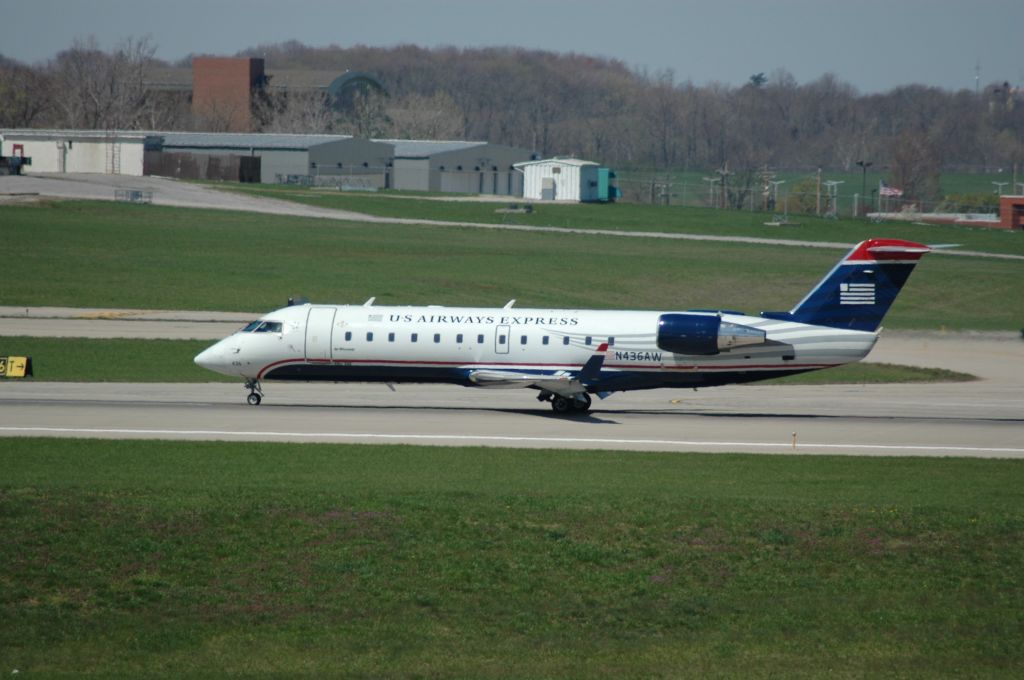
(984, 418)
(863, 420)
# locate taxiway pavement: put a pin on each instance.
(983, 418)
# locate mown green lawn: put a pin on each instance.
(129, 558)
(109, 255)
(634, 217)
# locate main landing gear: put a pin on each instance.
(255, 392)
(579, 403)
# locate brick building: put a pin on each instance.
(1011, 212)
(222, 91)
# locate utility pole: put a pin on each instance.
(711, 190)
(817, 209)
(724, 175)
(832, 190)
(864, 165)
(775, 192)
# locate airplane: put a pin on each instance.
(568, 355)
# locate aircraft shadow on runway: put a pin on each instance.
(606, 416)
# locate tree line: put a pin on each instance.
(558, 104)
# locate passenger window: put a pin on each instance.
(348, 336)
(480, 339)
(415, 337)
(369, 337)
(458, 338)
(565, 340)
(611, 341)
(501, 340)
(589, 339)
(391, 337)
(522, 340)
(437, 337)
(544, 340)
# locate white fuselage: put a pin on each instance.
(447, 344)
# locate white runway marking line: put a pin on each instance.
(498, 438)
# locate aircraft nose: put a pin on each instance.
(211, 358)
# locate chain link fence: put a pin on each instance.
(794, 198)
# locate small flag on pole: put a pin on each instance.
(886, 190)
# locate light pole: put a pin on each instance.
(711, 189)
(864, 165)
(723, 174)
(775, 192)
(999, 187)
(832, 191)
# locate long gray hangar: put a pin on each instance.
(568, 355)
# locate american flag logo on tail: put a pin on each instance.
(856, 293)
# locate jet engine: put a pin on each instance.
(703, 334)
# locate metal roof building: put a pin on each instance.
(566, 179)
(457, 167)
(115, 152)
(342, 160)
(297, 158)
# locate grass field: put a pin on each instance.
(202, 559)
(110, 255)
(206, 559)
(633, 217)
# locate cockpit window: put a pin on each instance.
(263, 327)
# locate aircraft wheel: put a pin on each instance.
(560, 404)
(254, 399)
(582, 404)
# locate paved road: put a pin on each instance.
(984, 418)
(66, 322)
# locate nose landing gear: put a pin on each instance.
(255, 392)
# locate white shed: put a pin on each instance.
(564, 179)
(111, 152)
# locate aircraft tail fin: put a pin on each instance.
(859, 290)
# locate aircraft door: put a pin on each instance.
(501, 340)
(319, 325)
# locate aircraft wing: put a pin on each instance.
(564, 383)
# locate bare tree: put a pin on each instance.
(97, 90)
(299, 112)
(417, 117)
(368, 116)
(915, 167)
(24, 94)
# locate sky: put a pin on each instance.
(875, 45)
